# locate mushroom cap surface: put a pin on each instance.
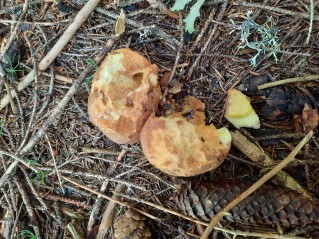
(182, 147)
(239, 111)
(124, 93)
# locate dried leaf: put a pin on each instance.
(307, 121)
(310, 118)
(120, 24)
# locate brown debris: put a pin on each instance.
(307, 121)
(131, 225)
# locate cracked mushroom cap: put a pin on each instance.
(184, 146)
(124, 93)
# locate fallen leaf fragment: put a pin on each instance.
(120, 24)
(308, 120)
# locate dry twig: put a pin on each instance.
(275, 9)
(288, 81)
(311, 11)
(36, 136)
(257, 155)
(80, 18)
(108, 214)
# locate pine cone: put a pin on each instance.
(281, 102)
(131, 225)
(270, 205)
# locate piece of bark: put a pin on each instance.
(108, 214)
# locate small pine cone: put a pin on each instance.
(270, 205)
(131, 225)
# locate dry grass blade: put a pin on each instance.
(256, 185)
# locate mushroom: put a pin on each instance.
(181, 144)
(239, 111)
(124, 93)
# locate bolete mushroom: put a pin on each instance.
(181, 144)
(239, 111)
(124, 93)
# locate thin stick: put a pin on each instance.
(258, 155)
(7, 86)
(212, 33)
(256, 185)
(108, 214)
(54, 162)
(17, 160)
(36, 23)
(32, 215)
(88, 150)
(109, 198)
(80, 18)
(35, 91)
(15, 30)
(275, 9)
(289, 81)
(311, 10)
(178, 55)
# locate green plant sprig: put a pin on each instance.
(89, 78)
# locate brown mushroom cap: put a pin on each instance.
(182, 147)
(124, 93)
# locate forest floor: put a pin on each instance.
(58, 171)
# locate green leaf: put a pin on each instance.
(27, 234)
(179, 5)
(193, 14)
(1, 127)
(39, 176)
